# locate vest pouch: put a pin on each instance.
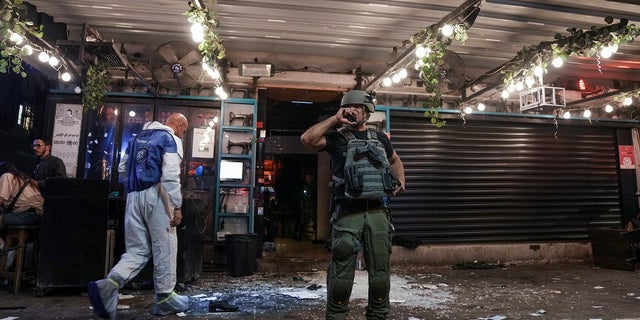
(354, 181)
(388, 181)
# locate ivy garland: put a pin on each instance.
(94, 87)
(578, 43)
(211, 46)
(430, 74)
(11, 23)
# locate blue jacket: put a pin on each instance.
(154, 156)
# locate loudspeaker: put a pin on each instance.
(73, 234)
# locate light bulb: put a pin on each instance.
(468, 110)
(403, 73)
(530, 82)
(608, 108)
(219, 90)
(567, 115)
(27, 50)
(557, 62)
(511, 87)
(65, 76)
(627, 101)
(447, 30)
(77, 89)
(538, 71)
(197, 32)
(43, 56)
(215, 74)
(505, 94)
(519, 85)
(132, 114)
(481, 106)
(16, 38)
(587, 113)
(420, 51)
(386, 82)
(395, 78)
(606, 52)
(223, 96)
(53, 61)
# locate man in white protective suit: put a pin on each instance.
(151, 163)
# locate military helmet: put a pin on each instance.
(359, 97)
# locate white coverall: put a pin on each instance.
(147, 229)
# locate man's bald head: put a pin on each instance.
(178, 122)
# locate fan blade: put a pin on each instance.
(168, 53)
(185, 79)
(190, 58)
(194, 71)
(163, 73)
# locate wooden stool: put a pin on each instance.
(20, 234)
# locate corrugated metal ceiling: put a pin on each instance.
(334, 38)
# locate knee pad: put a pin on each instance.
(340, 291)
(380, 286)
(344, 246)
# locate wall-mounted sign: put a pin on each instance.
(65, 141)
(627, 158)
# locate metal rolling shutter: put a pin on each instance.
(504, 181)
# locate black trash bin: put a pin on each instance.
(241, 254)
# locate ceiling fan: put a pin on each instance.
(176, 65)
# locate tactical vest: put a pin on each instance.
(367, 173)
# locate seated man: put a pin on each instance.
(47, 165)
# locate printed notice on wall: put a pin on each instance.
(203, 143)
(627, 159)
(66, 135)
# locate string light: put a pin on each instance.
(608, 108)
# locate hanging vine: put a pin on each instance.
(94, 87)
(434, 43)
(13, 31)
(579, 42)
(211, 46)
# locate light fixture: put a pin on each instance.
(387, 82)
(587, 113)
(197, 32)
(606, 52)
(447, 30)
(43, 56)
(256, 70)
(468, 110)
(53, 61)
(77, 89)
(403, 73)
(27, 50)
(16, 38)
(519, 85)
(396, 78)
(567, 115)
(65, 76)
(421, 51)
(608, 108)
(481, 106)
(627, 101)
(538, 71)
(505, 94)
(557, 62)
(529, 81)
